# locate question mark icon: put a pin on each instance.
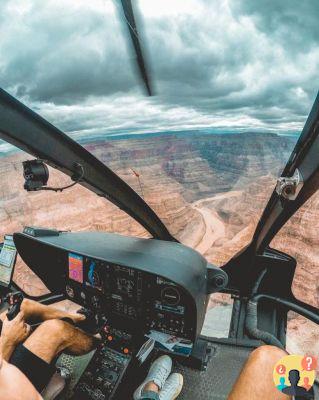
(281, 369)
(308, 362)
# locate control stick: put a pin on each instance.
(14, 300)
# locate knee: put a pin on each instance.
(28, 307)
(267, 354)
(56, 329)
(26, 304)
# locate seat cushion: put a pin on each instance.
(54, 388)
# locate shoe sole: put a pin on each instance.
(181, 382)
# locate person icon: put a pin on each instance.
(295, 390)
(282, 385)
(306, 383)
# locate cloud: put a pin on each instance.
(214, 63)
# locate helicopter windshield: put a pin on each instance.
(209, 189)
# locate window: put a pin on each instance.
(300, 239)
(208, 188)
(302, 335)
(218, 316)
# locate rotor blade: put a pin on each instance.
(140, 57)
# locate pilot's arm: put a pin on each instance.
(12, 333)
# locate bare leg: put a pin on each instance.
(54, 336)
(151, 387)
(40, 312)
(256, 378)
(37, 312)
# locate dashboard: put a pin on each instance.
(146, 285)
(143, 293)
(148, 300)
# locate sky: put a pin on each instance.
(227, 64)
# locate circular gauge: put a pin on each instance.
(170, 296)
(69, 291)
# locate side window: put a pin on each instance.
(300, 239)
(218, 316)
(27, 280)
(302, 335)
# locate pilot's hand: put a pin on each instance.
(14, 331)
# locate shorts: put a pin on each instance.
(34, 368)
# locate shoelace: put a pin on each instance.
(167, 391)
(167, 388)
(161, 374)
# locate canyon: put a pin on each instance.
(208, 189)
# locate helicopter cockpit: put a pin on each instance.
(122, 282)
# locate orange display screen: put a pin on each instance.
(76, 267)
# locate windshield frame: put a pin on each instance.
(25, 129)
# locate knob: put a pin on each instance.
(95, 301)
(69, 291)
(89, 375)
(170, 295)
(83, 296)
(220, 281)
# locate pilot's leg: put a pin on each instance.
(39, 312)
(36, 356)
(55, 336)
(256, 378)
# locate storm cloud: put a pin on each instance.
(227, 64)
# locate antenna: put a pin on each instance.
(139, 181)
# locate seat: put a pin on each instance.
(55, 387)
(69, 370)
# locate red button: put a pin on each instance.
(125, 351)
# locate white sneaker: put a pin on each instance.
(158, 373)
(172, 387)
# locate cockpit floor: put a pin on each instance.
(213, 384)
(222, 371)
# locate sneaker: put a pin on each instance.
(172, 387)
(158, 373)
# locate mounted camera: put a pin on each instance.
(36, 175)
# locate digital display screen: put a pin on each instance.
(76, 267)
(7, 260)
(94, 278)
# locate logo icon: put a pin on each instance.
(294, 375)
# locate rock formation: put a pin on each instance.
(209, 190)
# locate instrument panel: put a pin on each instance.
(152, 287)
(146, 301)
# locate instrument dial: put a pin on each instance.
(170, 296)
(69, 291)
